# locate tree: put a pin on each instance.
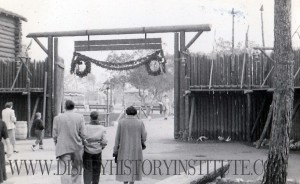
(149, 87)
(283, 97)
(152, 87)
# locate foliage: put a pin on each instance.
(149, 87)
(74, 83)
(225, 46)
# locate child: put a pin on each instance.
(93, 145)
(37, 129)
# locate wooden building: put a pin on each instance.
(21, 80)
(231, 97)
(10, 34)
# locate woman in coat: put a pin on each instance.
(3, 135)
(130, 140)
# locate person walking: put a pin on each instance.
(93, 146)
(69, 135)
(4, 136)
(37, 130)
(129, 143)
(166, 106)
(9, 117)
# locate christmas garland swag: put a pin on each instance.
(79, 59)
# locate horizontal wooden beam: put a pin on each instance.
(118, 42)
(9, 38)
(7, 50)
(226, 86)
(119, 31)
(20, 90)
(263, 48)
(119, 47)
(6, 55)
(7, 24)
(7, 28)
(6, 41)
(226, 90)
(7, 33)
(7, 45)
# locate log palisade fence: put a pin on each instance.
(18, 94)
(8, 73)
(232, 97)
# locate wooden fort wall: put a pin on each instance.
(232, 97)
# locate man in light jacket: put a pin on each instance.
(8, 116)
(92, 156)
(68, 135)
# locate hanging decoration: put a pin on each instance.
(154, 63)
(75, 67)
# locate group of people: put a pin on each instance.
(82, 144)
(8, 135)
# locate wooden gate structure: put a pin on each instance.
(180, 57)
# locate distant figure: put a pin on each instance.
(37, 131)
(9, 117)
(129, 143)
(161, 105)
(93, 146)
(166, 106)
(68, 135)
(4, 136)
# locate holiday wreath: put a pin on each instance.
(76, 61)
(157, 58)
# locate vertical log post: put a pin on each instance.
(248, 123)
(55, 85)
(28, 97)
(191, 118)
(45, 98)
(262, 25)
(58, 79)
(176, 86)
(232, 44)
(183, 128)
(48, 123)
(187, 92)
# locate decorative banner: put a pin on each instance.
(154, 63)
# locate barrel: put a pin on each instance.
(21, 130)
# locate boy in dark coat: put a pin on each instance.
(37, 129)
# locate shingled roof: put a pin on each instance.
(11, 14)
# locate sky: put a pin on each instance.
(66, 15)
